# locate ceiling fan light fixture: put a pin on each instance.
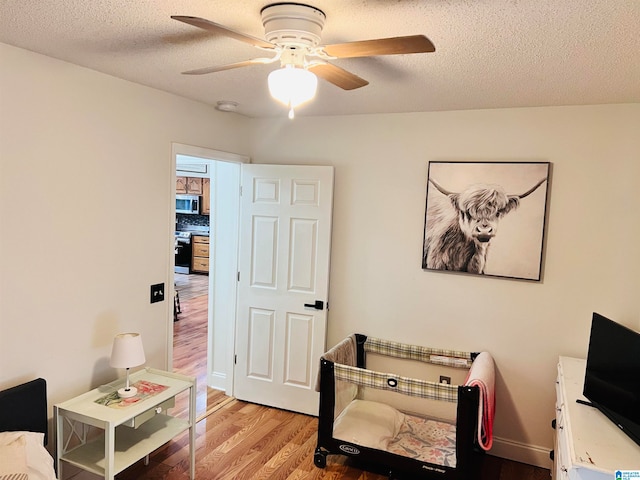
(293, 35)
(292, 86)
(296, 24)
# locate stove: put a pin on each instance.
(183, 252)
(183, 237)
(193, 229)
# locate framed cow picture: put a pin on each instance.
(486, 218)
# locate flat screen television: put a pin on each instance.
(612, 379)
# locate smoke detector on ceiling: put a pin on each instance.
(226, 106)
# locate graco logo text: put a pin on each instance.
(349, 449)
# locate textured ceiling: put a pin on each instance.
(489, 53)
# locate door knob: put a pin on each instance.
(318, 305)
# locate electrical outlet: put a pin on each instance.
(157, 292)
(444, 379)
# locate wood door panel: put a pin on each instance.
(261, 339)
(264, 251)
(305, 192)
(285, 236)
(298, 352)
(194, 185)
(181, 184)
(303, 247)
(266, 190)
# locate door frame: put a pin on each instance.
(215, 379)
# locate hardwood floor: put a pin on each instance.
(190, 342)
(190, 286)
(242, 441)
(236, 440)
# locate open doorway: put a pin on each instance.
(204, 269)
(191, 278)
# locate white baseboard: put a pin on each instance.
(217, 381)
(521, 452)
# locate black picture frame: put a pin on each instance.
(486, 218)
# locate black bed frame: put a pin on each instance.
(469, 454)
(24, 408)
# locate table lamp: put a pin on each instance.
(127, 352)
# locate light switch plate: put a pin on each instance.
(157, 292)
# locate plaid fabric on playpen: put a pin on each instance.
(396, 383)
(451, 358)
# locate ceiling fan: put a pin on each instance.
(292, 35)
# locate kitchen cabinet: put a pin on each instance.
(200, 253)
(189, 185)
(205, 206)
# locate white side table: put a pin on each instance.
(129, 433)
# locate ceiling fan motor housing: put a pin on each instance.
(293, 24)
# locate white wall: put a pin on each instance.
(85, 200)
(77, 146)
(378, 287)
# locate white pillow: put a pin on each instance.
(369, 424)
(13, 460)
(39, 461)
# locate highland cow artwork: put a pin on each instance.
(486, 218)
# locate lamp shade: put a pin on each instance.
(292, 86)
(127, 351)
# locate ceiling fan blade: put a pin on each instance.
(381, 46)
(221, 29)
(229, 66)
(336, 75)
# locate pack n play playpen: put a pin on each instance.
(410, 427)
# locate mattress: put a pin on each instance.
(426, 440)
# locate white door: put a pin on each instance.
(285, 235)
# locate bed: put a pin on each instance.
(408, 427)
(24, 433)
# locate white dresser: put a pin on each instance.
(588, 445)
